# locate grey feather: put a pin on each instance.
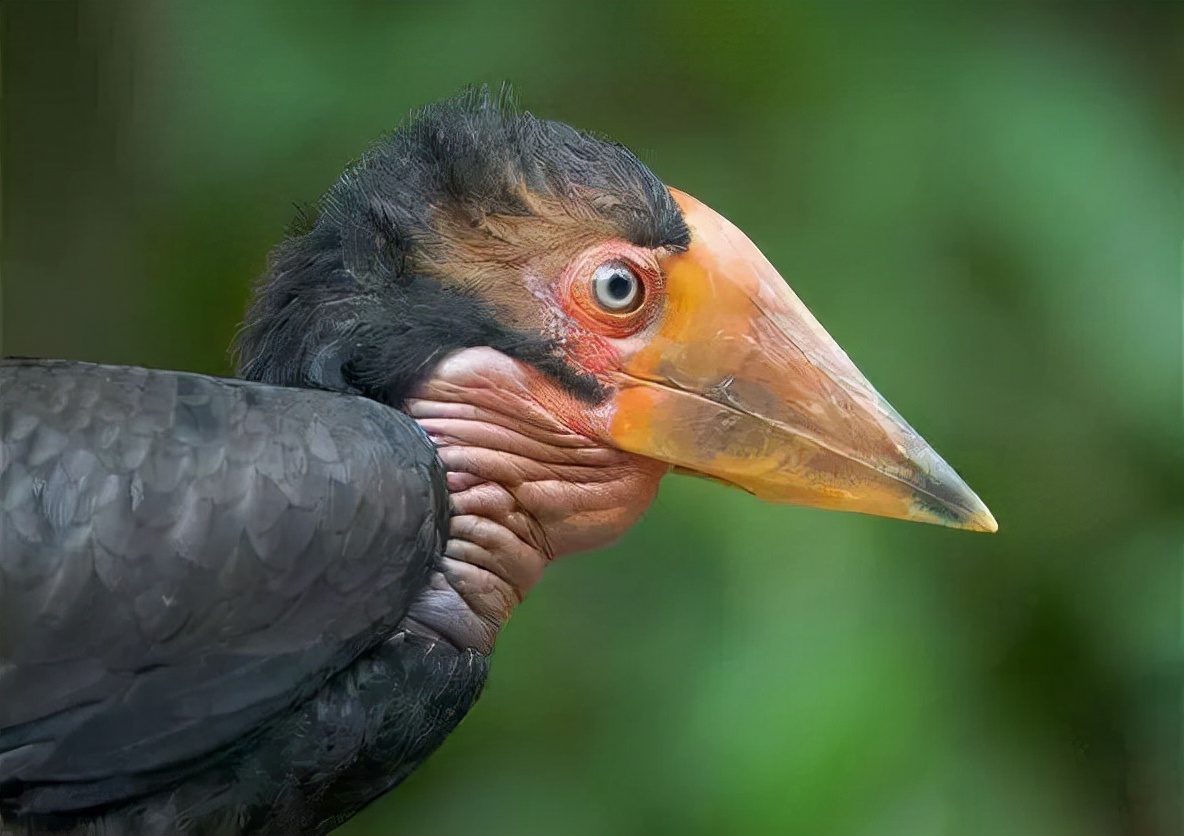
(183, 557)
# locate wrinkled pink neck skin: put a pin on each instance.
(526, 488)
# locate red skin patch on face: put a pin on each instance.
(590, 335)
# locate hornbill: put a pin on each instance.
(254, 605)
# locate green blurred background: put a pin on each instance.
(983, 204)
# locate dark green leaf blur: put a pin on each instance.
(982, 202)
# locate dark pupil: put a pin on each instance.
(619, 286)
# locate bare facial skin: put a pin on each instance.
(525, 488)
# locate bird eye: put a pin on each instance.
(616, 287)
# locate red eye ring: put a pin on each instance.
(613, 288)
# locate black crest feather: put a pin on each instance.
(339, 308)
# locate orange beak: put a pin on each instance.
(739, 382)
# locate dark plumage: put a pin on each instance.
(359, 303)
(195, 558)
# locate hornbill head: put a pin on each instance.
(531, 291)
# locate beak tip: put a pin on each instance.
(946, 498)
(977, 518)
(983, 520)
(971, 514)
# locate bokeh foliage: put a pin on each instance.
(981, 202)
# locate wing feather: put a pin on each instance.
(182, 557)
